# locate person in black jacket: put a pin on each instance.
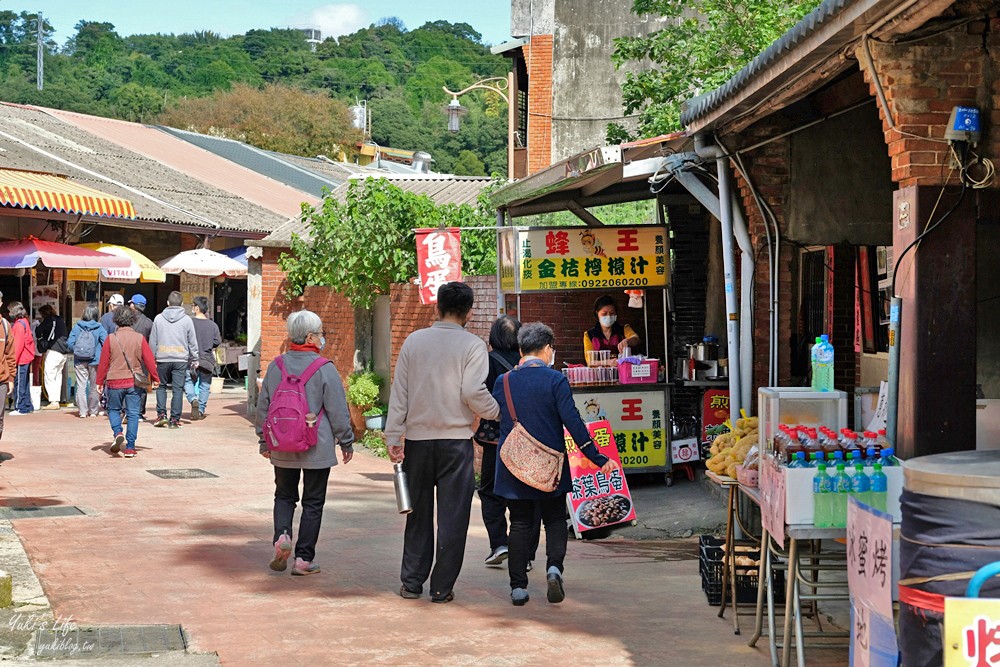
(504, 356)
(51, 340)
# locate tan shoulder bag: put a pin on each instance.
(534, 463)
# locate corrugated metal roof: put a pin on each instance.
(260, 161)
(192, 160)
(698, 106)
(443, 190)
(164, 194)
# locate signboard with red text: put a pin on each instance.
(639, 420)
(597, 500)
(439, 260)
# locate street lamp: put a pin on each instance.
(502, 86)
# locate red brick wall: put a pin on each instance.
(538, 56)
(922, 82)
(407, 314)
(335, 311)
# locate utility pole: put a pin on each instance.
(40, 67)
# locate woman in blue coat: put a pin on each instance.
(544, 405)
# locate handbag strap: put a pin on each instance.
(506, 394)
(124, 354)
(500, 360)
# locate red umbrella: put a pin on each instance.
(26, 253)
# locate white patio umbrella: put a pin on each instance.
(203, 262)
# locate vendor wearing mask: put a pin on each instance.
(608, 333)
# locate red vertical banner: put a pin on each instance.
(439, 260)
(597, 499)
(714, 413)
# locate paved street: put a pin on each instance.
(195, 551)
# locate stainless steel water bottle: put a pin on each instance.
(402, 489)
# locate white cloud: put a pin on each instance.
(334, 20)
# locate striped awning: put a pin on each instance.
(48, 192)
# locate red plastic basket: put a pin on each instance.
(641, 373)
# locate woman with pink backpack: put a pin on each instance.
(302, 414)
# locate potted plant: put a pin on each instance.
(362, 395)
(375, 417)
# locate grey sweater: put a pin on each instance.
(439, 386)
(323, 389)
(172, 338)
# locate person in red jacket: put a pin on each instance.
(124, 353)
(24, 355)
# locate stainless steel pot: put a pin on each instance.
(703, 351)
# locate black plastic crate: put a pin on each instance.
(746, 576)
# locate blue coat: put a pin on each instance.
(95, 328)
(544, 404)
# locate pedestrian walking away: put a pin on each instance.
(125, 357)
(437, 392)
(302, 415)
(541, 398)
(115, 301)
(85, 342)
(8, 366)
(175, 348)
(198, 382)
(24, 355)
(51, 341)
(504, 355)
(144, 326)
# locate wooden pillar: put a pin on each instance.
(937, 283)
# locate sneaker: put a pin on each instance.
(497, 556)
(195, 410)
(445, 600)
(116, 446)
(50, 406)
(161, 421)
(528, 569)
(519, 597)
(407, 594)
(304, 567)
(17, 413)
(173, 423)
(282, 550)
(129, 452)
(102, 413)
(554, 593)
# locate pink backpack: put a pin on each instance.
(285, 428)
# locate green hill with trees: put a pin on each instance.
(271, 88)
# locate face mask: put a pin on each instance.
(552, 360)
(322, 342)
(608, 320)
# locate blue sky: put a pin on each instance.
(229, 17)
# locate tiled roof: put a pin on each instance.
(443, 190)
(35, 140)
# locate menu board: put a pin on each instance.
(638, 421)
(597, 500)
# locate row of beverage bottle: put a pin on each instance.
(830, 493)
(825, 442)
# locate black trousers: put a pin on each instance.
(286, 496)
(495, 507)
(444, 467)
(523, 521)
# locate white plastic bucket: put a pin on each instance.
(217, 385)
(36, 397)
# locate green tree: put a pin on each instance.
(469, 164)
(703, 44)
(363, 245)
(136, 103)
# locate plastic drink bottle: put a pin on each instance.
(879, 489)
(842, 486)
(821, 497)
(799, 461)
(872, 457)
(882, 441)
(822, 365)
(838, 457)
(816, 459)
(861, 485)
(887, 459)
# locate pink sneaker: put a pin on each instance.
(282, 550)
(304, 567)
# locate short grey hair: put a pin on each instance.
(534, 337)
(301, 323)
(91, 313)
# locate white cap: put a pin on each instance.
(116, 300)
